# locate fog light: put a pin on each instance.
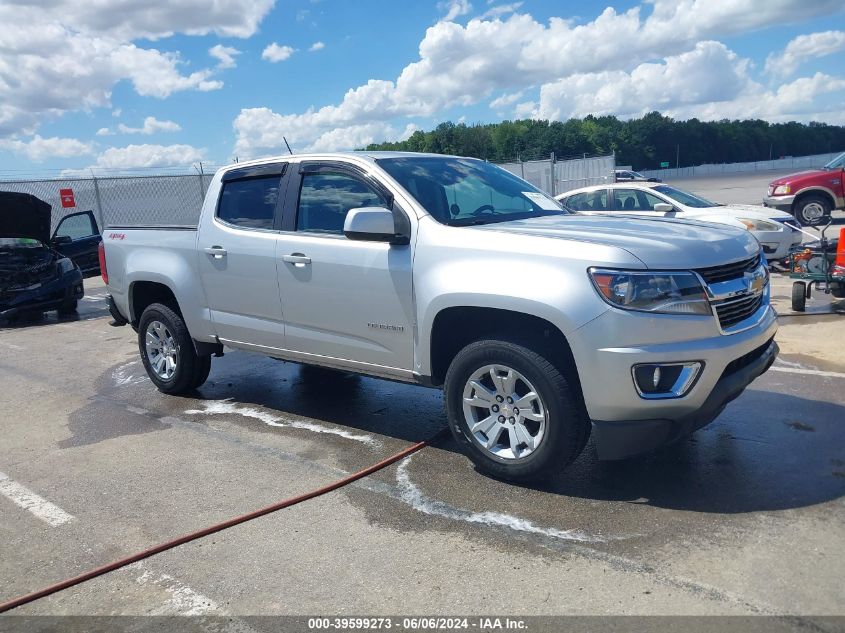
(665, 380)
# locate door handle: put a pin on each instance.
(297, 259)
(217, 252)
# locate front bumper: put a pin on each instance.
(776, 244)
(618, 440)
(606, 349)
(47, 296)
(781, 203)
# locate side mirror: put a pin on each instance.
(62, 240)
(663, 207)
(371, 224)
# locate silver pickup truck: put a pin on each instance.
(541, 325)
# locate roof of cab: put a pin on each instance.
(365, 156)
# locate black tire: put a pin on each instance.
(68, 307)
(568, 427)
(202, 371)
(805, 204)
(799, 296)
(189, 367)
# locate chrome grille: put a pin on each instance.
(733, 311)
(726, 272)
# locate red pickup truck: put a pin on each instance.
(809, 195)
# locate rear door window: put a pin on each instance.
(635, 200)
(250, 203)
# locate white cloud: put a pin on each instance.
(135, 156)
(499, 10)
(153, 19)
(316, 46)
(454, 8)
(151, 126)
(275, 53)
(65, 55)
(460, 65)
(104, 131)
(708, 73)
(225, 55)
(802, 48)
(506, 100)
(709, 82)
(116, 112)
(38, 149)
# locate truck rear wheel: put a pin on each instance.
(168, 352)
(811, 210)
(513, 412)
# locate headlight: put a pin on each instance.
(781, 190)
(759, 225)
(668, 293)
(65, 265)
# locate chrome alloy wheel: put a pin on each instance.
(504, 412)
(161, 350)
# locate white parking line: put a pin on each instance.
(813, 372)
(185, 601)
(28, 500)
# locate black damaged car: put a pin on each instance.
(34, 275)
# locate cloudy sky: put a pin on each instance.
(116, 84)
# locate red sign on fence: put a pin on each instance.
(67, 198)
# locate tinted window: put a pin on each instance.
(578, 202)
(464, 191)
(588, 201)
(76, 226)
(326, 197)
(635, 200)
(250, 203)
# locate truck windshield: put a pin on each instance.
(836, 163)
(686, 198)
(467, 191)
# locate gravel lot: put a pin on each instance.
(745, 517)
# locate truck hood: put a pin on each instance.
(660, 243)
(23, 215)
(802, 177)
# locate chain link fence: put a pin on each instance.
(123, 200)
(559, 176)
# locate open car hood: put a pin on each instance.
(24, 215)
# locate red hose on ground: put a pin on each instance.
(187, 538)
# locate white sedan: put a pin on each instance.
(776, 230)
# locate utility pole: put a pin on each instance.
(678, 156)
(552, 164)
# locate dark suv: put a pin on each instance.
(37, 272)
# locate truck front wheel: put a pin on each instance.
(168, 353)
(513, 412)
(811, 209)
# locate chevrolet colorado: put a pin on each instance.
(541, 325)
